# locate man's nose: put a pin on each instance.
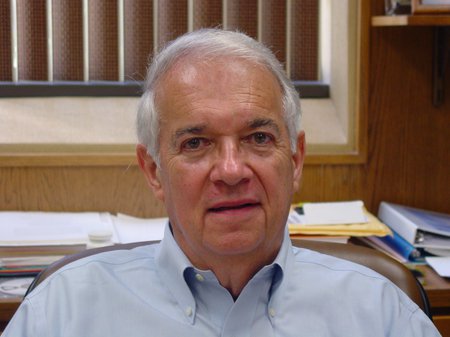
(230, 165)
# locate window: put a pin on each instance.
(101, 47)
(83, 60)
(336, 125)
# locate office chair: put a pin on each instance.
(375, 260)
(393, 270)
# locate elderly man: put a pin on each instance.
(221, 146)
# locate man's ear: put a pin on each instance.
(298, 159)
(151, 171)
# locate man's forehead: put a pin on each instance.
(189, 68)
(225, 75)
(185, 72)
(195, 91)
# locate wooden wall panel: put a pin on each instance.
(331, 182)
(409, 141)
(124, 189)
(112, 189)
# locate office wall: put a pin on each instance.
(408, 138)
(409, 143)
(407, 154)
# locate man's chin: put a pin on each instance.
(235, 244)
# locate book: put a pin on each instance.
(322, 238)
(40, 250)
(395, 245)
(421, 228)
(373, 242)
(25, 265)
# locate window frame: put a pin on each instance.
(308, 89)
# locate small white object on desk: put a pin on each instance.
(99, 238)
(440, 264)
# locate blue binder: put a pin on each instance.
(401, 246)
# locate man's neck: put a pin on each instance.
(235, 276)
(233, 272)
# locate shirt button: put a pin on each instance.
(199, 277)
(272, 312)
(188, 311)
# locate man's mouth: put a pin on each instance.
(232, 207)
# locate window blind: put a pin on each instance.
(108, 42)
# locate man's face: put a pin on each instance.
(227, 173)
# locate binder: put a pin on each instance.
(401, 246)
(421, 228)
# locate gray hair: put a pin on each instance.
(208, 44)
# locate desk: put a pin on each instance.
(7, 308)
(438, 292)
(437, 288)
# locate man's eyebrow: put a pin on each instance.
(260, 122)
(200, 128)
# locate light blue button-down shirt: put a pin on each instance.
(155, 291)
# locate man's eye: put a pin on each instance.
(194, 143)
(261, 138)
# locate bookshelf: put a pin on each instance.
(441, 25)
(410, 20)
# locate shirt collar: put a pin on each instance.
(282, 261)
(173, 263)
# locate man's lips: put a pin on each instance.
(233, 206)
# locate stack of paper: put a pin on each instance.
(49, 228)
(25, 265)
(334, 218)
(131, 229)
(29, 241)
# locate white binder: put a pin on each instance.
(423, 229)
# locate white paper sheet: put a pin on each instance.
(131, 229)
(440, 264)
(333, 213)
(50, 228)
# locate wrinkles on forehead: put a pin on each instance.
(187, 76)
